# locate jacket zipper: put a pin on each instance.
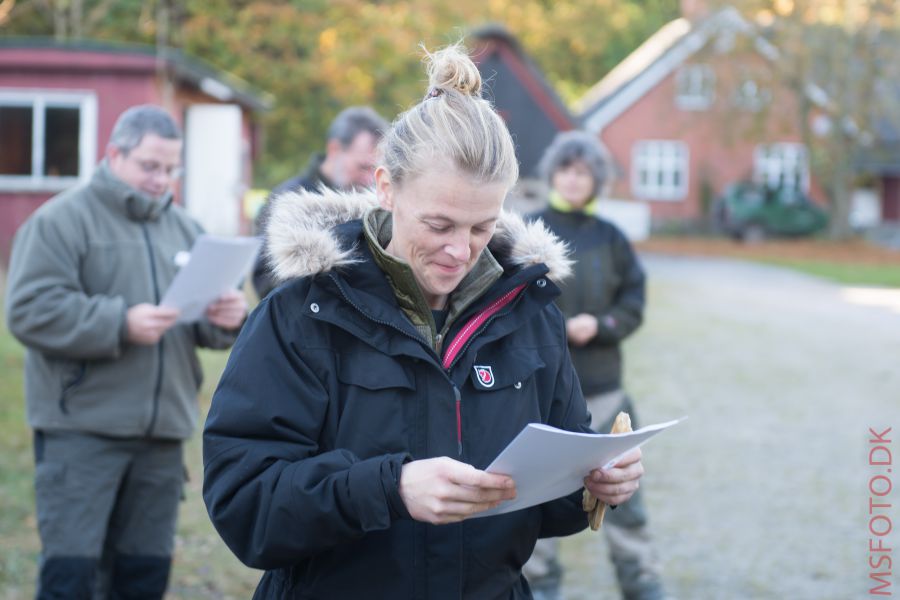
(159, 373)
(476, 333)
(456, 393)
(458, 397)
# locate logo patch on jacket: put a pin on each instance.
(485, 375)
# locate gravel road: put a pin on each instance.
(763, 493)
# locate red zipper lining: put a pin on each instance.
(463, 336)
(475, 322)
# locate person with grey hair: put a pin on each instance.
(603, 304)
(111, 377)
(348, 162)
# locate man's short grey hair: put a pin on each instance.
(352, 121)
(139, 121)
(573, 146)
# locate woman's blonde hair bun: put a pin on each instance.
(451, 69)
(452, 126)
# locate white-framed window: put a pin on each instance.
(781, 165)
(695, 87)
(751, 96)
(659, 170)
(48, 139)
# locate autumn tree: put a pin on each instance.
(841, 61)
(317, 56)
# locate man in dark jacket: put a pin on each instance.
(603, 304)
(348, 162)
(111, 378)
(417, 336)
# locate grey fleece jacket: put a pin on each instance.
(77, 265)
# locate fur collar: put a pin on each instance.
(300, 240)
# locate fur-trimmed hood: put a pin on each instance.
(301, 240)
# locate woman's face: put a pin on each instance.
(575, 183)
(442, 222)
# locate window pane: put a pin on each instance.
(61, 142)
(15, 133)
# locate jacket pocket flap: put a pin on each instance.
(496, 372)
(373, 371)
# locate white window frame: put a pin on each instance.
(39, 101)
(775, 163)
(661, 160)
(751, 96)
(695, 87)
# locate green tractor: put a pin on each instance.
(751, 212)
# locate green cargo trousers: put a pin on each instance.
(106, 514)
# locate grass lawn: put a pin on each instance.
(880, 275)
(854, 262)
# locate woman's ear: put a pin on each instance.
(384, 190)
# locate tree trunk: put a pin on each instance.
(840, 184)
(60, 20)
(76, 12)
(163, 68)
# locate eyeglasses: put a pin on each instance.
(153, 168)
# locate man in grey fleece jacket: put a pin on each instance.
(111, 378)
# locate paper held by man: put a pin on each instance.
(548, 463)
(216, 265)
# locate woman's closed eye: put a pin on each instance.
(438, 228)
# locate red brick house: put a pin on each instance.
(694, 109)
(58, 104)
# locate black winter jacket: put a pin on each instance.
(330, 390)
(608, 283)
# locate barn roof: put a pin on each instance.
(45, 54)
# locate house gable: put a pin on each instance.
(656, 59)
(533, 112)
(696, 108)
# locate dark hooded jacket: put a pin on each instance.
(608, 283)
(331, 388)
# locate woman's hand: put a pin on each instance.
(443, 490)
(616, 485)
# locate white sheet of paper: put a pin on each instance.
(217, 265)
(548, 463)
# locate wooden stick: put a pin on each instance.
(591, 505)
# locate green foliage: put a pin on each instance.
(317, 57)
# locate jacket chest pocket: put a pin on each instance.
(504, 395)
(504, 371)
(376, 408)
